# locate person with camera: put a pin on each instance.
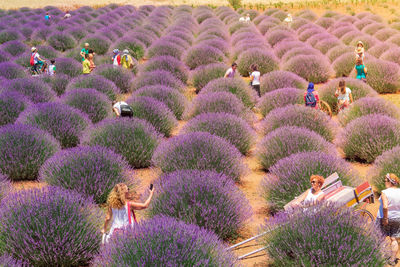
(121, 210)
(122, 109)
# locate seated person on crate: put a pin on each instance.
(312, 195)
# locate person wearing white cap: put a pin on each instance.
(36, 61)
(116, 58)
(126, 60)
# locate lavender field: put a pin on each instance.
(224, 161)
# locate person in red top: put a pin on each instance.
(311, 98)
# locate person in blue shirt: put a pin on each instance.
(47, 17)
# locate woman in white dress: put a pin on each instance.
(121, 210)
(314, 194)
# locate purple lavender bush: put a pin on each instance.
(14, 48)
(358, 89)
(90, 171)
(165, 241)
(352, 240)
(315, 69)
(11, 70)
(281, 79)
(61, 41)
(339, 50)
(218, 102)
(391, 54)
(202, 55)
(383, 75)
(265, 60)
(204, 198)
(99, 44)
(230, 127)
(368, 105)
(286, 180)
(367, 137)
(11, 105)
(300, 116)
(4, 56)
(282, 48)
(280, 98)
(236, 86)
(34, 89)
(8, 261)
(5, 186)
(199, 151)
(96, 105)
(133, 138)
(65, 123)
(23, 149)
(136, 47)
(57, 82)
(202, 75)
(274, 36)
(50, 226)
(167, 63)
(97, 82)
(153, 111)
(165, 48)
(158, 77)
(344, 64)
(172, 98)
(288, 140)
(68, 66)
(388, 162)
(121, 77)
(9, 35)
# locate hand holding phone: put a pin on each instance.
(151, 187)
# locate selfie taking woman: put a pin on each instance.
(121, 210)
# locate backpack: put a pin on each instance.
(311, 101)
(126, 111)
(32, 60)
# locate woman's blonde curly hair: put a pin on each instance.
(117, 199)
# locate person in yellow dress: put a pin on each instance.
(126, 60)
(86, 65)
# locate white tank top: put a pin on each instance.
(393, 196)
(311, 198)
(120, 218)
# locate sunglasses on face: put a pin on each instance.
(313, 182)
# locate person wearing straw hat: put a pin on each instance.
(36, 61)
(389, 214)
(311, 98)
(360, 50)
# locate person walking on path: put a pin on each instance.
(311, 97)
(389, 214)
(361, 70)
(121, 210)
(255, 79)
(231, 72)
(344, 96)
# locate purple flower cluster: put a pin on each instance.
(167, 63)
(383, 76)
(61, 41)
(202, 55)
(279, 98)
(265, 59)
(68, 66)
(230, 127)
(10, 70)
(352, 240)
(288, 140)
(34, 89)
(199, 151)
(164, 241)
(97, 82)
(315, 69)
(204, 198)
(14, 48)
(171, 97)
(65, 123)
(133, 138)
(11, 105)
(344, 64)
(153, 111)
(121, 77)
(165, 48)
(367, 137)
(23, 149)
(202, 75)
(50, 226)
(158, 77)
(281, 79)
(91, 171)
(301, 116)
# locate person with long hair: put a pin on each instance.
(389, 213)
(121, 210)
(344, 96)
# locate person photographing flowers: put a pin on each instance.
(389, 213)
(121, 210)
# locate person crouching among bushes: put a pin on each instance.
(122, 109)
(389, 213)
(344, 96)
(314, 194)
(121, 210)
(311, 98)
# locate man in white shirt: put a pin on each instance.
(230, 73)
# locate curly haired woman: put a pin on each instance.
(121, 210)
(314, 194)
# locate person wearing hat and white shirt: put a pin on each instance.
(126, 60)
(116, 58)
(288, 20)
(37, 60)
(360, 50)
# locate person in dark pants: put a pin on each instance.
(255, 78)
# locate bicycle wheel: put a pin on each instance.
(366, 215)
(325, 107)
